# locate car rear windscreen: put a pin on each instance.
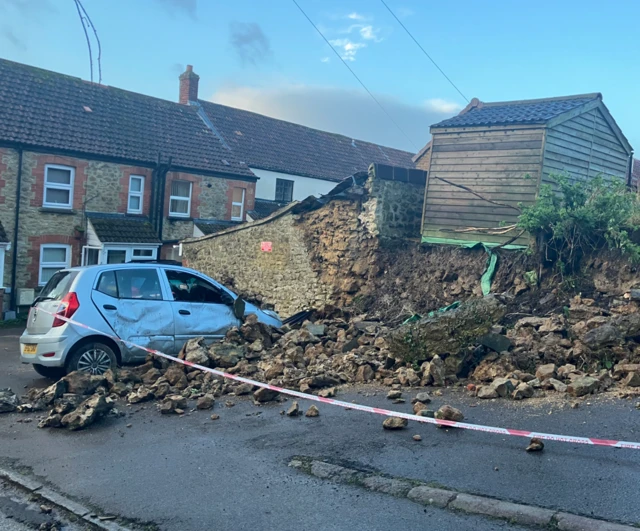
(58, 285)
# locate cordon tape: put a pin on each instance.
(379, 411)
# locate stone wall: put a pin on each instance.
(283, 277)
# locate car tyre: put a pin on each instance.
(95, 357)
(53, 373)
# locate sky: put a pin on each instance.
(265, 56)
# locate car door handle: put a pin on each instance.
(109, 307)
(184, 312)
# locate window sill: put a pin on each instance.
(51, 210)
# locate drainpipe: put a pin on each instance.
(14, 255)
(156, 214)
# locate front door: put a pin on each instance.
(132, 302)
(200, 308)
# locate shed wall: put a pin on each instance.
(583, 147)
(501, 164)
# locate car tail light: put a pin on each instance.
(68, 306)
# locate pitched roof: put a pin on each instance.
(515, 112)
(45, 109)
(211, 226)
(272, 144)
(264, 208)
(3, 234)
(114, 228)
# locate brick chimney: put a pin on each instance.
(188, 85)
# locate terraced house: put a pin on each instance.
(94, 174)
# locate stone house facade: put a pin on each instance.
(94, 174)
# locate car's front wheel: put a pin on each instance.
(53, 373)
(94, 358)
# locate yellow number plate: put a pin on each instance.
(30, 349)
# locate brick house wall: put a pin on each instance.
(98, 187)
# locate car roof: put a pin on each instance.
(129, 265)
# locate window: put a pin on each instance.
(58, 186)
(107, 284)
(53, 258)
(284, 190)
(136, 190)
(138, 284)
(186, 287)
(237, 204)
(58, 285)
(2, 249)
(180, 199)
(116, 256)
(143, 254)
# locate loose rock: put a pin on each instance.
(487, 391)
(449, 413)
(205, 402)
(8, 401)
(313, 411)
(264, 394)
(583, 386)
(293, 410)
(394, 423)
(535, 445)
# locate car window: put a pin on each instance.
(107, 284)
(138, 284)
(186, 287)
(58, 285)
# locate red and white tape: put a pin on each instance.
(379, 411)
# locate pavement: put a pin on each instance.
(190, 472)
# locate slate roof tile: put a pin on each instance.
(122, 229)
(50, 110)
(272, 144)
(516, 112)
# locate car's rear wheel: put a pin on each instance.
(94, 358)
(53, 373)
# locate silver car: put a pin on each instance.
(155, 305)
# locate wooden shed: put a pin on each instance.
(493, 156)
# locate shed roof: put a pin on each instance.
(114, 228)
(537, 111)
(264, 208)
(211, 226)
(271, 144)
(49, 110)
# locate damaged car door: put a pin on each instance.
(200, 308)
(132, 302)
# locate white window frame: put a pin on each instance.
(154, 253)
(241, 205)
(3, 248)
(58, 186)
(50, 265)
(181, 198)
(129, 249)
(133, 193)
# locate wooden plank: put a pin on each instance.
(486, 208)
(486, 185)
(485, 128)
(498, 153)
(529, 144)
(489, 159)
(459, 220)
(471, 202)
(445, 140)
(603, 153)
(587, 133)
(433, 232)
(487, 166)
(503, 197)
(585, 109)
(517, 175)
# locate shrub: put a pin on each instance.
(578, 218)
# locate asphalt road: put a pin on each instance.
(193, 473)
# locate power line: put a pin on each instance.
(356, 76)
(95, 33)
(86, 35)
(424, 51)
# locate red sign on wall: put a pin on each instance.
(266, 247)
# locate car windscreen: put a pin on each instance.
(58, 285)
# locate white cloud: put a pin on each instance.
(355, 16)
(442, 106)
(369, 33)
(325, 60)
(348, 48)
(349, 112)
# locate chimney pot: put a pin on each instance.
(188, 86)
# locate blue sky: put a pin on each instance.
(265, 56)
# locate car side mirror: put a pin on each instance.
(238, 308)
